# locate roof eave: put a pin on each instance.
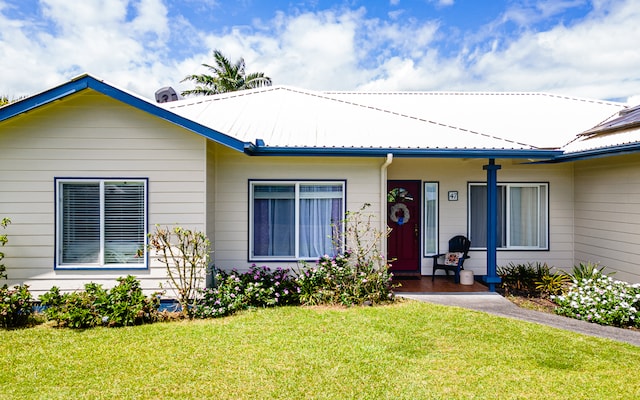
(538, 154)
(628, 148)
(86, 81)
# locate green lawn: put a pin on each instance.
(409, 350)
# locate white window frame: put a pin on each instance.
(101, 264)
(543, 219)
(296, 184)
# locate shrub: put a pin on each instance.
(123, 305)
(601, 300)
(359, 275)
(127, 305)
(76, 309)
(587, 271)
(15, 306)
(532, 280)
(335, 280)
(258, 287)
(185, 253)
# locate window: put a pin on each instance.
(101, 223)
(295, 220)
(522, 216)
(430, 218)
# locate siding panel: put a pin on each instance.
(91, 135)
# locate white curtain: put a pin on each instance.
(524, 216)
(431, 218)
(315, 227)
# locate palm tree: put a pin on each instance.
(226, 77)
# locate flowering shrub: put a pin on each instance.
(123, 305)
(258, 287)
(15, 306)
(338, 281)
(602, 300)
(359, 275)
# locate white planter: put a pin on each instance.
(466, 277)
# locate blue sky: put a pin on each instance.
(574, 47)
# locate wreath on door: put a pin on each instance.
(399, 214)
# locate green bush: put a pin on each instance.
(15, 306)
(258, 287)
(358, 275)
(587, 271)
(123, 305)
(532, 280)
(338, 281)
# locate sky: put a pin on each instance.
(580, 48)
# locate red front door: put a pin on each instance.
(403, 217)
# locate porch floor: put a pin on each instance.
(441, 284)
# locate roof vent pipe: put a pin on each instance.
(166, 94)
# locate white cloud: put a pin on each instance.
(138, 45)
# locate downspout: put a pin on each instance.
(383, 202)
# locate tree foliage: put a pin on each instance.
(224, 77)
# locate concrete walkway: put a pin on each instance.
(494, 303)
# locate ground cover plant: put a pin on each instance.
(259, 287)
(406, 350)
(595, 297)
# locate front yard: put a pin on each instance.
(406, 350)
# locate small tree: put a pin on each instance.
(3, 240)
(185, 253)
(363, 239)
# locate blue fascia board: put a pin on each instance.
(89, 82)
(402, 153)
(30, 103)
(629, 148)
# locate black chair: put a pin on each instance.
(453, 260)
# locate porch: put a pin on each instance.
(441, 284)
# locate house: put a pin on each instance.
(87, 169)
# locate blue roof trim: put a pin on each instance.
(403, 153)
(629, 148)
(89, 82)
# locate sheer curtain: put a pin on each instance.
(320, 214)
(431, 218)
(274, 221)
(317, 217)
(524, 216)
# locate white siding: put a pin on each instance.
(91, 135)
(455, 174)
(607, 193)
(233, 172)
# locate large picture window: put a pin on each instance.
(295, 220)
(523, 221)
(101, 223)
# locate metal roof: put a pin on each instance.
(284, 117)
(281, 120)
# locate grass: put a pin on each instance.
(408, 350)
